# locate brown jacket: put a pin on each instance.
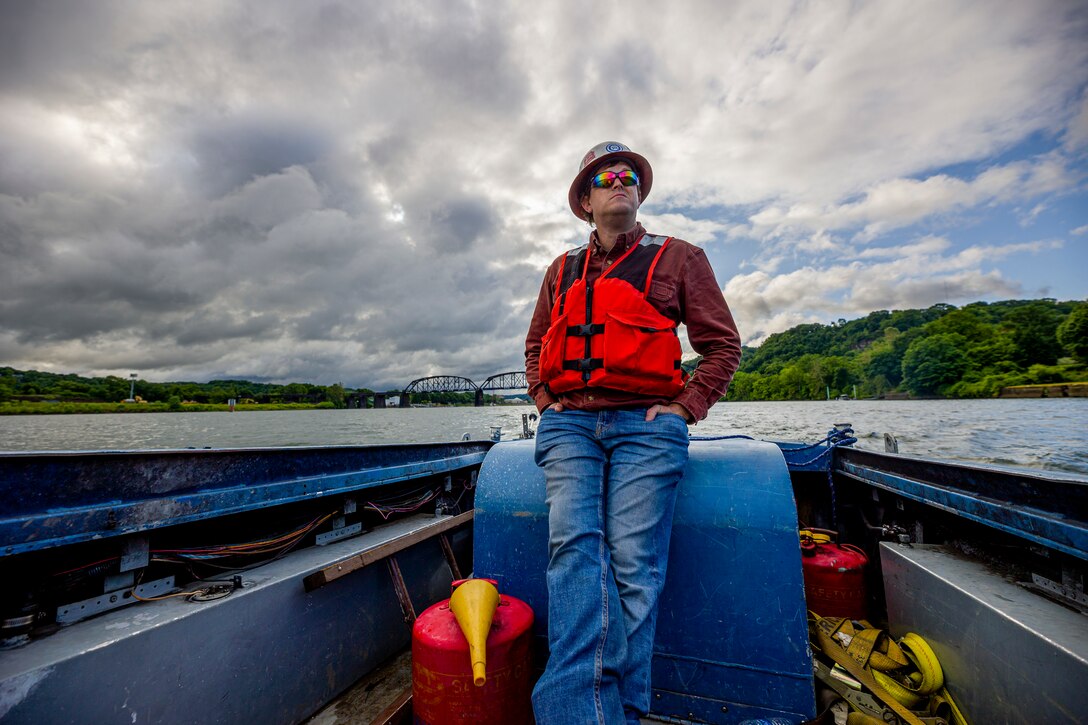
(684, 290)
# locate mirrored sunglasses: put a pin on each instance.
(605, 179)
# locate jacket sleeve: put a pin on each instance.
(541, 321)
(711, 332)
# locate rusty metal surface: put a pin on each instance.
(47, 499)
(401, 589)
(450, 558)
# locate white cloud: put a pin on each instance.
(915, 275)
(897, 203)
(696, 231)
(924, 247)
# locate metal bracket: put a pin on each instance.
(343, 532)
(76, 611)
(135, 553)
(1069, 595)
(113, 582)
(859, 699)
(447, 549)
(402, 590)
(366, 558)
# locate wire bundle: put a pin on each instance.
(273, 547)
(276, 546)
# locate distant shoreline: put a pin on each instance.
(1039, 392)
(63, 408)
(1049, 390)
(139, 408)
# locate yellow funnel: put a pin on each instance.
(473, 603)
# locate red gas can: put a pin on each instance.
(444, 689)
(834, 575)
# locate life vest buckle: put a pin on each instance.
(584, 330)
(583, 365)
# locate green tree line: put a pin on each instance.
(33, 385)
(942, 351)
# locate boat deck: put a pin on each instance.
(384, 697)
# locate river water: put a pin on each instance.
(1036, 433)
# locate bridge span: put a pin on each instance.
(512, 380)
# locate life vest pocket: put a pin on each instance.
(640, 345)
(552, 347)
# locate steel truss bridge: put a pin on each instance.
(513, 380)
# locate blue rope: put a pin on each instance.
(837, 437)
(823, 453)
(834, 501)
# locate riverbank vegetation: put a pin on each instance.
(942, 351)
(55, 406)
(32, 391)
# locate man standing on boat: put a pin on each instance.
(602, 358)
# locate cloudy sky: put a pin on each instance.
(369, 192)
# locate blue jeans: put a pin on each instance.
(611, 489)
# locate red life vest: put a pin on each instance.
(606, 334)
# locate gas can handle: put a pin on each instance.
(851, 547)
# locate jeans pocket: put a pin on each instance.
(680, 421)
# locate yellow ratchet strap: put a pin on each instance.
(902, 693)
(826, 629)
(874, 648)
(958, 717)
(921, 655)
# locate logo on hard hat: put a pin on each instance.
(614, 147)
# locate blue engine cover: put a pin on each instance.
(732, 640)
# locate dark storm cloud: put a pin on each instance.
(238, 150)
(215, 326)
(455, 225)
(92, 286)
(39, 39)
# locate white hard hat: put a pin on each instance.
(607, 151)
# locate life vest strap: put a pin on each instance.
(584, 330)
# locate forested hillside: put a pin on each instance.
(966, 352)
(32, 385)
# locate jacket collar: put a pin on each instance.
(623, 241)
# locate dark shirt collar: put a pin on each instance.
(623, 241)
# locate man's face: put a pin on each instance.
(612, 200)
